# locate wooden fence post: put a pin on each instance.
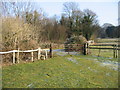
(84, 49)
(46, 54)
(39, 52)
(87, 49)
(18, 56)
(32, 56)
(50, 50)
(116, 51)
(113, 51)
(99, 52)
(13, 57)
(68, 48)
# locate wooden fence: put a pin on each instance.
(115, 48)
(39, 50)
(73, 47)
(68, 47)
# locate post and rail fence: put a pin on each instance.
(39, 50)
(83, 48)
(114, 47)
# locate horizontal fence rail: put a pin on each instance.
(103, 48)
(23, 51)
(105, 45)
(39, 50)
(114, 47)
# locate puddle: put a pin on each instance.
(59, 50)
(61, 53)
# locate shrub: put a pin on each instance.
(70, 43)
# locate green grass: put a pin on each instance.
(108, 40)
(59, 72)
(103, 53)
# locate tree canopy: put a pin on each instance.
(23, 24)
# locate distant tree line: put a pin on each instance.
(26, 28)
(113, 32)
(109, 31)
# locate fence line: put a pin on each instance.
(23, 51)
(115, 48)
(32, 59)
(103, 48)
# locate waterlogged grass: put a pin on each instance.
(68, 71)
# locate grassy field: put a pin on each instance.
(68, 71)
(104, 52)
(108, 40)
(65, 71)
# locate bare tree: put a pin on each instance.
(69, 7)
(74, 15)
(16, 8)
